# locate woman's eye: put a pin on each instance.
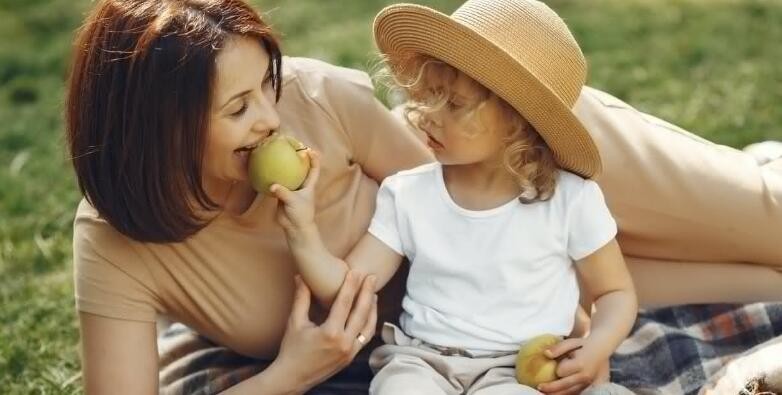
(241, 110)
(453, 105)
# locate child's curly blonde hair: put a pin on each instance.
(428, 84)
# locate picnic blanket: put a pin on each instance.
(672, 350)
(676, 350)
(191, 364)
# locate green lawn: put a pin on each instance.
(710, 66)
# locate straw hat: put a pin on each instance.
(519, 49)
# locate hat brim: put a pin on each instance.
(404, 29)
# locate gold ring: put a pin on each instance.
(361, 339)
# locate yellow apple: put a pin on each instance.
(532, 366)
(278, 160)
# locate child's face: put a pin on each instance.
(460, 136)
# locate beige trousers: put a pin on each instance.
(698, 222)
(405, 365)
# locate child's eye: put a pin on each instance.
(453, 105)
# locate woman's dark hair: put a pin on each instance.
(137, 108)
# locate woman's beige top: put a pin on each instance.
(233, 281)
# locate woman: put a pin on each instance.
(166, 98)
(164, 101)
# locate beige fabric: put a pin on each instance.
(661, 282)
(690, 213)
(677, 196)
(405, 365)
(233, 281)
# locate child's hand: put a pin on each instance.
(297, 211)
(577, 370)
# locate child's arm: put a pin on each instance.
(605, 276)
(322, 271)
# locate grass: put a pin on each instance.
(709, 66)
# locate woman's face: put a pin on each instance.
(243, 110)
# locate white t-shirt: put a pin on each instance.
(489, 280)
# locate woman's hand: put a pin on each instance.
(297, 208)
(579, 368)
(312, 353)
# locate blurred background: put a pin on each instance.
(711, 66)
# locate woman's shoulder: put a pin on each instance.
(88, 222)
(313, 75)
(110, 277)
(94, 237)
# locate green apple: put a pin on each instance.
(280, 160)
(532, 366)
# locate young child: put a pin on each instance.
(497, 230)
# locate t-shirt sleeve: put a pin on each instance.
(102, 285)
(590, 224)
(384, 225)
(379, 141)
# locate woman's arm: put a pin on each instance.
(118, 356)
(382, 142)
(310, 353)
(388, 144)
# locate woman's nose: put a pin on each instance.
(267, 117)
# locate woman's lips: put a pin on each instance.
(243, 157)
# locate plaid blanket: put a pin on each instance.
(191, 364)
(676, 350)
(671, 350)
